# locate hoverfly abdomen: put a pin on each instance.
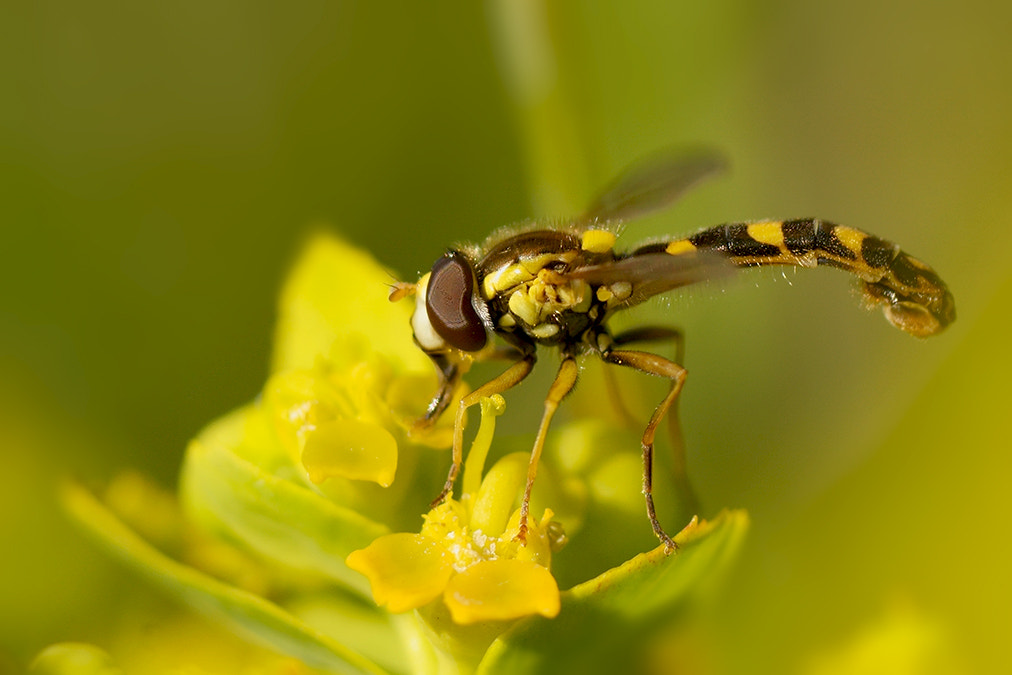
(913, 296)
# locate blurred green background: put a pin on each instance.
(160, 165)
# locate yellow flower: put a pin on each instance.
(288, 504)
(467, 553)
(328, 432)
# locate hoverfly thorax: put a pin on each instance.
(448, 311)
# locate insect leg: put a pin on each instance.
(615, 397)
(679, 466)
(450, 372)
(564, 382)
(642, 334)
(654, 334)
(652, 364)
(449, 377)
(508, 379)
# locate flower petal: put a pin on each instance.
(350, 449)
(331, 288)
(499, 590)
(405, 570)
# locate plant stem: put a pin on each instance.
(557, 164)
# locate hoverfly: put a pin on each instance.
(557, 286)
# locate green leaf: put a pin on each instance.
(605, 620)
(259, 619)
(281, 520)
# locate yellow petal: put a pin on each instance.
(334, 305)
(404, 570)
(350, 449)
(297, 400)
(499, 590)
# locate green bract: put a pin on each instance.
(326, 467)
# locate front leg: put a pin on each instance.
(510, 378)
(450, 372)
(449, 377)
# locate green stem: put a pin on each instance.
(556, 158)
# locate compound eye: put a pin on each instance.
(448, 303)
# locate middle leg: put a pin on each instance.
(510, 378)
(689, 502)
(652, 364)
(564, 382)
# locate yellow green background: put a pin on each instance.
(160, 165)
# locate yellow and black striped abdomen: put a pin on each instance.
(912, 295)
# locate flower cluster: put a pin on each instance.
(467, 552)
(303, 517)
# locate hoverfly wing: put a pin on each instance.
(652, 185)
(656, 272)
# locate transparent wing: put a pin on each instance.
(652, 273)
(653, 184)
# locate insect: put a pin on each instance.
(557, 286)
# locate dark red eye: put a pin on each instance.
(448, 303)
